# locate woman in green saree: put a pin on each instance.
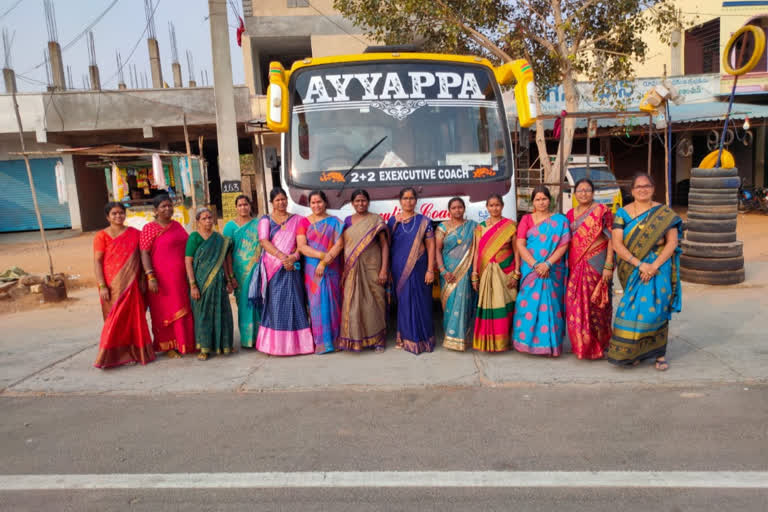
(243, 231)
(209, 270)
(645, 235)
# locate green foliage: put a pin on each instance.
(562, 39)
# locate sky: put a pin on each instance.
(119, 30)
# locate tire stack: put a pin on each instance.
(711, 253)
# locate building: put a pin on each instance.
(149, 118)
(698, 49)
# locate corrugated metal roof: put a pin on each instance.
(685, 113)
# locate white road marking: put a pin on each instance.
(369, 479)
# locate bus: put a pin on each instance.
(383, 120)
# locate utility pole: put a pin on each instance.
(226, 120)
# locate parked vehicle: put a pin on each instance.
(607, 190)
(753, 199)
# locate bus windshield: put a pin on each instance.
(397, 123)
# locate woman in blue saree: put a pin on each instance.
(542, 242)
(277, 287)
(413, 258)
(455, 252)
(645, 235)
(243, 231)
(209, 270)
(319, 240)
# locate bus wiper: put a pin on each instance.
(363, 157)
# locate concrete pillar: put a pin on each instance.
(259, 182)
(57, 66)
(177, 81)
(10, 80)
(676, 53)
(73, 201)
(93, 73)
(226, 120)
(154, 64)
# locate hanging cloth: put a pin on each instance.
(119, 184)
(158, 174)
(61, 183)
(186, 176)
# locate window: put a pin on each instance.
(298, 3)
(702, 48)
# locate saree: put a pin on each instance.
(324, 293)
(125, 336)
(496, 301)
(588, 308)
(364, 303)
(212, 312)
(284, 329)
(245, 258)
(408, 255)
(539, 319)
(458, 298)
(640, 329)
(169, 308)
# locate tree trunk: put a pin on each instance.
(566, 134)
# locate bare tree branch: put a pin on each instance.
(477, 36)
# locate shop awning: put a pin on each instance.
(686, 113)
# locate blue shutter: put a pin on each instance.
(17, 213)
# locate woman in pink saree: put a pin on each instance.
(163, 243)
(588, 308)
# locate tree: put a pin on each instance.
(563, 40)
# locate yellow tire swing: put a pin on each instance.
(725, 158)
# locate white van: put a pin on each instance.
(607, 189)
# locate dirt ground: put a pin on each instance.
(72, 255)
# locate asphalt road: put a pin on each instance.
(527, 428)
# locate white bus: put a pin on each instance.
(384, 121)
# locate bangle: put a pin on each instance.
(151, 277)
(100, 285)
(192, 283)
(547, 263)
(608, 267)
(516, 278)
(149, 272)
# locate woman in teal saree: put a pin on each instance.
(243, 231)
(455, 240)
(209, 270)
(645, 236)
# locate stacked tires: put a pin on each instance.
(711, 253)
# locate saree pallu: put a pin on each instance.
(169, 308)
(324, 294)
(496, 301)
(539, 321)
(212, 312)
(641, 325)
(245, 259)
(284, 329)
(125, 336)
(459, 299)
(364, 303)
(415, 332)
(588, 314)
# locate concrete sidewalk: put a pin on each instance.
(719, 337)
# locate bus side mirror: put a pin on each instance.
(525, 89)
(277, 99)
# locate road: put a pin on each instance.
(715, 429)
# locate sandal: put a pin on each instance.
(662, 365)
(202, 356)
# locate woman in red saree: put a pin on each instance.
(163, 244)
(588, 305)
(125, 337)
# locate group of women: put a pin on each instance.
(317, 284)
